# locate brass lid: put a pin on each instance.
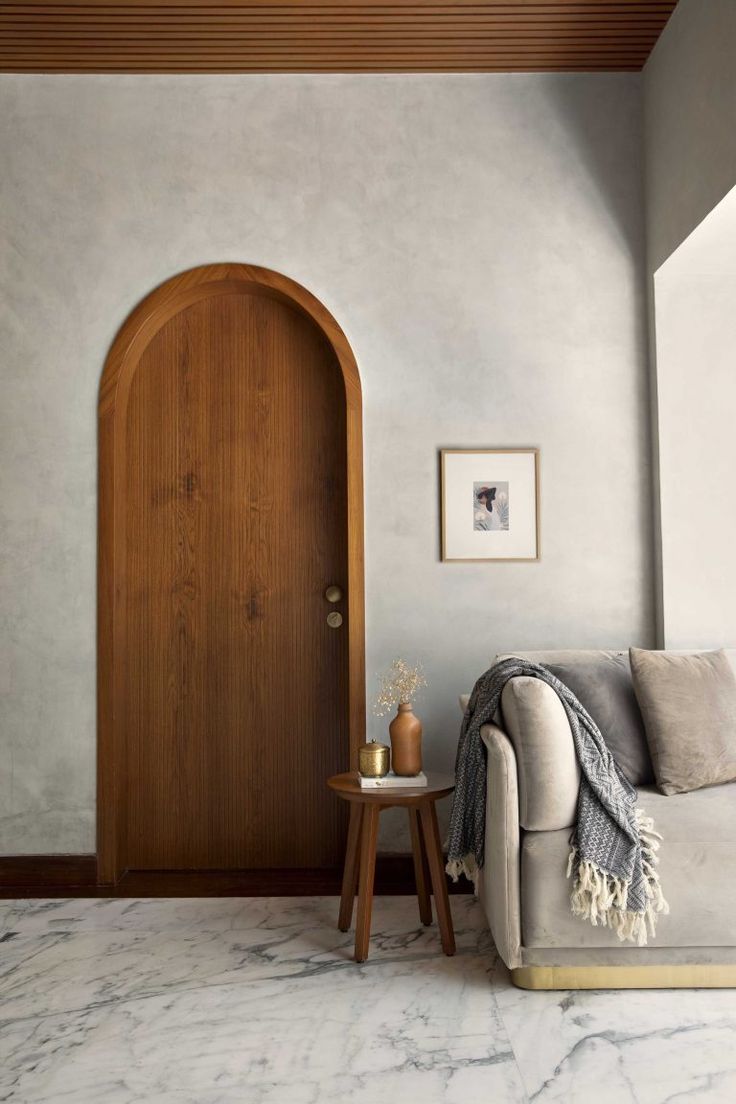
(374, 746)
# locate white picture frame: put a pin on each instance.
(490, 504)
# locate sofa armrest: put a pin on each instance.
(548, 769)
(498, 885)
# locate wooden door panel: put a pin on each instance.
(235, 689)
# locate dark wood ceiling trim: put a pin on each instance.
(330, 36)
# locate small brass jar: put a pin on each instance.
(373, 760)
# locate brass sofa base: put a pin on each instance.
(625, 977)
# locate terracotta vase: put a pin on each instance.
(405, 731)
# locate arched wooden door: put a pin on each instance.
(230, 500)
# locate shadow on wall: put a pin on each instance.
(606, 154)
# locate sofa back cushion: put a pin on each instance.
(689, 708)
(601, 681)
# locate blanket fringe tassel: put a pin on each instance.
(601, 898)
(467, 866)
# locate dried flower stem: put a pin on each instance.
(399, 686)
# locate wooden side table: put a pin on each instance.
(360, 858)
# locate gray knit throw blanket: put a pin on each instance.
(613, 845)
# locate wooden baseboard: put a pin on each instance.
(676, 976)
(76, 876)
(67, 872)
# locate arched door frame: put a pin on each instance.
(133, 338)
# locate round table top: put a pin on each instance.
(348, 786)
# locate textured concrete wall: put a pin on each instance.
(480, 239)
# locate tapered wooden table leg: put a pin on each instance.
(360, 860)
(421, 872)
(431, 833)
(352, 863)
(368, 839)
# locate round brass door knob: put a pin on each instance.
(333, 593)
(334, 620)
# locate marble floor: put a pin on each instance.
(224, 1000)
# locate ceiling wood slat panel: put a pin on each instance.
(194, 36)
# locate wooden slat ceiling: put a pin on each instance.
(260, 36)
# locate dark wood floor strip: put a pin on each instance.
(76, 876)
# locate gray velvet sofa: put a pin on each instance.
(531, 806)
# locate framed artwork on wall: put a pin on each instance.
(490, 504)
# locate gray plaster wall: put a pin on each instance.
(479, 238)
(690, 121)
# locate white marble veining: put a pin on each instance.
(244, 1000)
(224, 1000)
(627, 1047)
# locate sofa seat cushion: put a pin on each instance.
(697, 868)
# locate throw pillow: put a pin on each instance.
(689, 707)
